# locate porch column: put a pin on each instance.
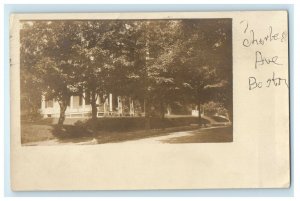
(110, 103)
(71, 102)
(105, 105)
(131, 108)
(120, 105)
(43, 105)
(98, 100)
(83, 101)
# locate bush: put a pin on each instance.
(79, 129)
(31, 117)
(211, 108)
(138, 123)
(219, 119)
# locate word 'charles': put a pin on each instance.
(253, 39)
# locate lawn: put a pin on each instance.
(111, 130)
(211, 135)
(36, 132)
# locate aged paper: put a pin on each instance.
(255, 154)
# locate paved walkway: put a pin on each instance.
(175, 136)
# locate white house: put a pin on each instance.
(79, 106)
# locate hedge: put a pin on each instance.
(138, 123)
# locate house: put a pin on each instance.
(79, 106)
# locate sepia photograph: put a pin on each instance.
(86, 82)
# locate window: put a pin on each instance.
(49, 103)
(80, 100)
(76, 100)
(87, 97)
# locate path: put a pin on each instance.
(212, 134)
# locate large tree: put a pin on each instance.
(152, 46)
(48, 46)
(204, 64)
(95, 52)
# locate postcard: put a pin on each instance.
(142, 101)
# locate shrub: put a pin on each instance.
(138, 123)
(79, 129)
(31, 117)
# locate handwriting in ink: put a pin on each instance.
(276, 81)
(261, 60)
(273, 81)
(246, 25)
(270, 36)
(253, 83)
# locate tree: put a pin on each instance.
(48, 46)
(29, 83)
(164, 47)
(94, 57)
(151, 46)
(205, 59)
(174, 60)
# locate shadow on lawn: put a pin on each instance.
(72, 134)
(78, 130)
(116, 130)
(104, 130)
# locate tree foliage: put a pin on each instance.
(158, 62)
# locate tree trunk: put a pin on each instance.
(94, 105)
(162, 109)
(147, 113)
(169, 110)
(199, 114)
(162, 112)
(63, 107)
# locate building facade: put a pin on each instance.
(79, 107)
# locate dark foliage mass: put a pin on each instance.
(158, 62)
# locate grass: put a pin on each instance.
(103, 137)
(36, 132)
(222, 134)
(108, 130)
(125, 124)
